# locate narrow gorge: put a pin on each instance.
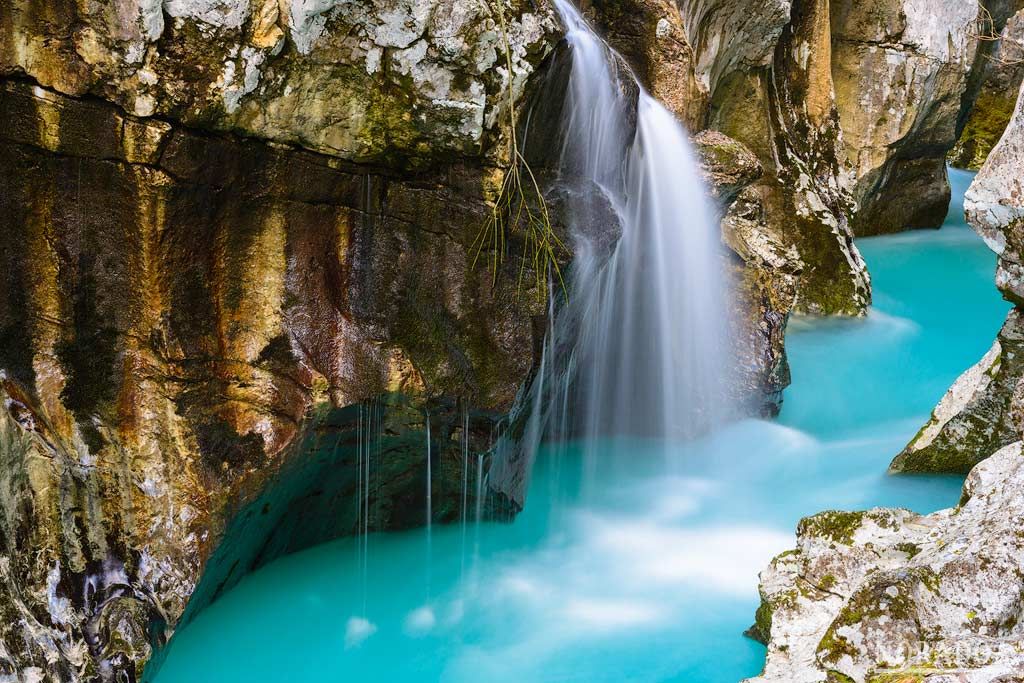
(486, 340)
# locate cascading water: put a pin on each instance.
(652, 348)
(643, 341)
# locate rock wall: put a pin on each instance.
(1003, 74)
(651, 36)
(398, 81)
(983, 410)
(239, 278)
(901, 70)
(887, 595)
(178, 309)
(765, 64)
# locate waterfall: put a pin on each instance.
(641, 349)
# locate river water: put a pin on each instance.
(645, 569)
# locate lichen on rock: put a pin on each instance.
(403, 82)
(984, 410)
(888, 595)
(977, 415)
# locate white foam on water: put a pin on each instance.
(357, 630)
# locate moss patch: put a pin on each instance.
(833, 524)
(987, 123)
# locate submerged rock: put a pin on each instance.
(888, 595)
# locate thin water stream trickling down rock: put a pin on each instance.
(231, 231)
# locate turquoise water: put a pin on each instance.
(632, 567)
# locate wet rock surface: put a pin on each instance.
(766, 271)
(178, 309)
(979, 414)
(772, 90)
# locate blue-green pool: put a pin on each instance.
(643, 570)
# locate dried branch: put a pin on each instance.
(520, 205)
(986, 33)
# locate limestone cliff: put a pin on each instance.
(887, 595)
(239, 277)
(183, 318)
(905, 75)
(982, 411)
(1003, 74)
(400, 81)
(766, 66)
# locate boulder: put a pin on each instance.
(888, 595)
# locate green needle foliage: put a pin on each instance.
(519, 207)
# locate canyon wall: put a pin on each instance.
(982, 411)
(888, 595)
(239, 277)
(987, 120)
(241, 272)
(766, 67)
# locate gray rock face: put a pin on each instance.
(995, 206)
(772, 90)
(381, 80)
(765, 276)
(901, 71)
(1001, 80)
(888, 595)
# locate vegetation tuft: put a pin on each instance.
(519, 207)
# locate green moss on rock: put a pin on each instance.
(836, 525)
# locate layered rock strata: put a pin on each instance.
(206, 337)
